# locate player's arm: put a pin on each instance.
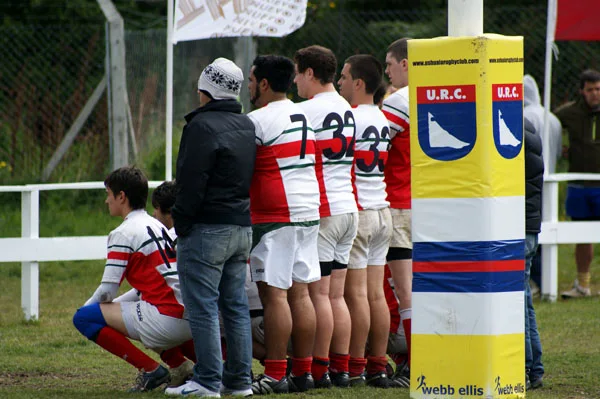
(194, 167)
(395, 109)
(132, 295)
(117, 259)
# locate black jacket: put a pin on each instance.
(534, 178)
(214, 167)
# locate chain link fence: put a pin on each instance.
(48, 73)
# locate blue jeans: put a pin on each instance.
(533, 345)
(211, 261)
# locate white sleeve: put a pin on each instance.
(258, 129)
(132, 295)
(117, 258)
(396, 108)
(104, 293)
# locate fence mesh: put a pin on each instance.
(48, 73)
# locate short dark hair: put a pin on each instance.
(163, 197)
(589, 75)
(368, 69)
(379, 93)
(132, 182)
(399, 49)
(320, 59)
(276, 69)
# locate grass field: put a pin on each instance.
(48, 358)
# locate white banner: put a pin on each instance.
(203, 19)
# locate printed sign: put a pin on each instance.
(447, 122)
(203, 19)
(507, 118)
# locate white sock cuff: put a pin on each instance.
(406, 314)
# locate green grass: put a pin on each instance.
(48, 358)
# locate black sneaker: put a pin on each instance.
(324, 382)
(378, 380)
(341, 379)
(149, 381)
(302, 383)
(265, 385)
(401, 377)
(358, 381)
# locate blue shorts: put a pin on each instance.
(583, 203)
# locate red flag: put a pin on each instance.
(577, 20)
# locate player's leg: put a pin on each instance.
(399, 260)
(271, 264)
(233, 303)
(306, 271)
(103, 324)
(319, 295)
(379, 312)
(579, 206)
(340, 341)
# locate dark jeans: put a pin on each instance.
(533, 345)
(211, 261)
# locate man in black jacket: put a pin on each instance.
(534, 179)
(212, 220)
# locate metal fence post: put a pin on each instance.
(30, 273)
(550, 251)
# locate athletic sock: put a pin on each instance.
(338, 363)
(357, 366)
(376, 364)
(398, 358)
(301, 365)
(320, 365)
(117, 344)
(584, 279)
(173, 357)
(188, 350)
(275, 368)
(406, 316)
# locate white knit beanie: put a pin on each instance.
(222, 79)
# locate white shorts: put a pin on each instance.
(156, 331)
(402, 233)
(285, 254)
(336, 235)
(373, 239)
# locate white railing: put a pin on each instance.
(555, 232)
(30, 249)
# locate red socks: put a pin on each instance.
(357, 366)
(376, 364)
(338, 362)
(320, 365)
(275, 368)
(117, 344)
(173, 357)
(301, 366)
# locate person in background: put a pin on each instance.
(212, 221)
(534, 180)
(581, 120)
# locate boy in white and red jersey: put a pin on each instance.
(331, 117)
(360, 78)
(284, 205)
(139, 250)
(397, 178)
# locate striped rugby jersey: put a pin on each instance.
(140, 251)
(331, 117)
(397, 172)
(284, 185)
(371, 153)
